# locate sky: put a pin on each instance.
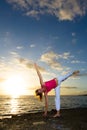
(52, 33)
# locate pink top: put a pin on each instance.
(51, 84)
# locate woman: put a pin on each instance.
(48, 86)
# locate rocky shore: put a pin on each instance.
(71, 119)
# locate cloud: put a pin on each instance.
(33, 13)
(66, 55)
(26, 62)
(84, 92)
(19, 47)
(62, 9)
(2, 79)
(69, 87)
(77, 62)
(51, 59)
(83, 74)
(32, 45)
(73, 34)
(19, 3)
(29, 64)
(14, 54)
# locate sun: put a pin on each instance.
(15, 85)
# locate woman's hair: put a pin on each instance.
(39, 94)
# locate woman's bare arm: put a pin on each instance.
(46, 104)
(39, 74)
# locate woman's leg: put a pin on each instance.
(64, 77)
(57, 101)
(57, 93)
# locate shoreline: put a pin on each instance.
(71, 119)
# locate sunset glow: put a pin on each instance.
(15, 86)
(52, 33)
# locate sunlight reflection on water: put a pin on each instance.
(14, 106)
(27, 104)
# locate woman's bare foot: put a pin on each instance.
(56, 115)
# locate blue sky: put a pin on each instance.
(51, 33)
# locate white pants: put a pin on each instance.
(57, 90)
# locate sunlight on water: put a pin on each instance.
(14, 106)
(27, 104)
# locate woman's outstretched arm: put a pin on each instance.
(39, 74)
(46, 104)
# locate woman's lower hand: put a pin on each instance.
(45, 114)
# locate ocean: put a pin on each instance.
(29, 104)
